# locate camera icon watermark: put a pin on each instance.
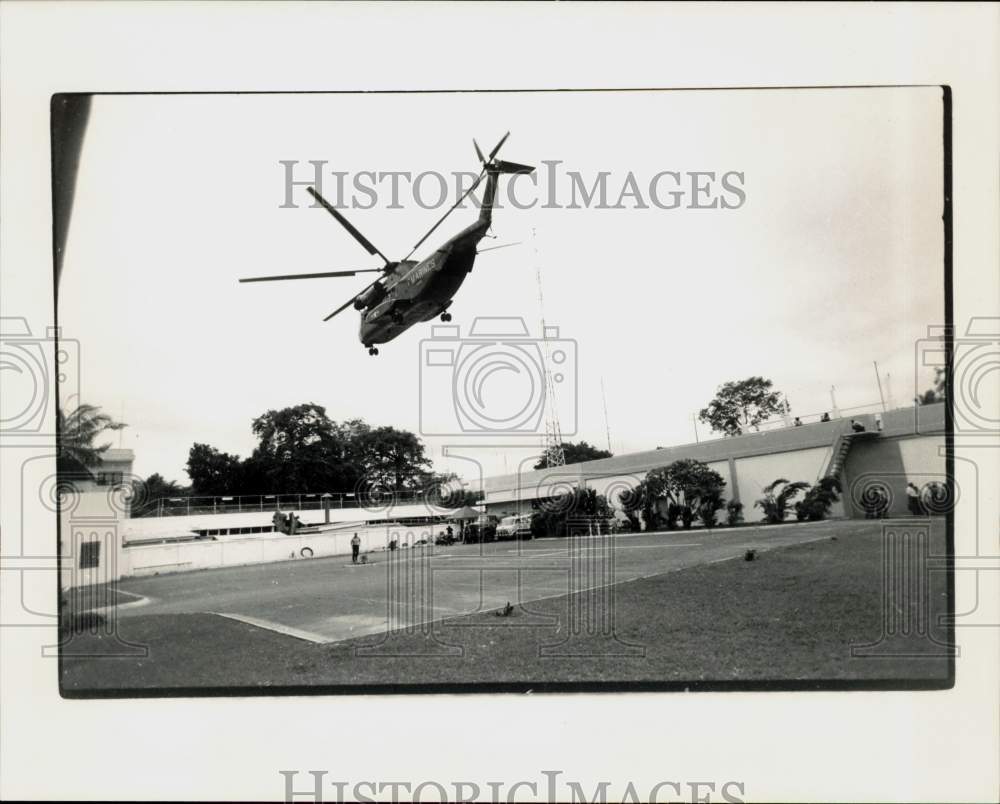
(30, 368)
(497, 381)
(971, 377)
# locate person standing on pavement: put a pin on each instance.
(355, 548)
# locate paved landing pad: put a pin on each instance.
(329, 599)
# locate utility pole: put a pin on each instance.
(694, 421)
(834, 412)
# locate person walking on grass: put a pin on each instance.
(355, 548)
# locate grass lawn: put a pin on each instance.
(790, 617)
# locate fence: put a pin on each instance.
(780, 422)
(246, 503)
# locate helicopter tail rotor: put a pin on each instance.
(512, 167)
(492, 165)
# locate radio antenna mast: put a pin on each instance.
(554, 455)
(607, 426)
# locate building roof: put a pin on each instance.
(534, 483)
(114, 455)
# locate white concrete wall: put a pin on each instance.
(722, 467)
(261, 548)
(923, 456)
(611, 487)
(90, 517)
(753, 474)
(94, 517)
(155, 527)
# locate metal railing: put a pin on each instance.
(780, 423)
(249, 503)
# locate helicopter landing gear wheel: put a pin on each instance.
(372, 351)
(446, 317)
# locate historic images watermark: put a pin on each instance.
(498, 380)
(556, 188)
(38, 370)
(915, 567)
(502, 575)
(41, 377)
(313, 785)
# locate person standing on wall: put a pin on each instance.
(355, 548)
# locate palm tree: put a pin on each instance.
(774, 503)
(77, 432)
(815, 506)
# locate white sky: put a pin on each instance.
(835, 259)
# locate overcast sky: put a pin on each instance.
(834, 259)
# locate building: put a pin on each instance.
(114, 469)
(897, 447)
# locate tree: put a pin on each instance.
(77, 431)
(743, 404)
(938, 392)
(301, 449)
(688, 487)
(445, 490)
(632, 502)
(816, 503)
(776, 501)
(213, 472)
(577, 453)
(570, 514)
(393, 459)
(146, 492)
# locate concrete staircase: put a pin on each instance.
(842, 444)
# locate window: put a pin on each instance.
(90, 555)
(109, 478)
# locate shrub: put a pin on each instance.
(683, 488)
(708, 511)
(776, 501)
(815, 506)
(734, 513)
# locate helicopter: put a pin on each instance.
(410, 291)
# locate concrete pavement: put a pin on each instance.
(329, 599)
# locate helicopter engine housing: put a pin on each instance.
(370, 297)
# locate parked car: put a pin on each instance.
(483, 529)
(515, 527)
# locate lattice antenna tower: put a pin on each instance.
(554, 455)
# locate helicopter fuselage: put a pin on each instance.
(410, 291)
(421, 291)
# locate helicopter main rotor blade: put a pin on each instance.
(497, 148)
(478, 152)
(364, 241)
(494, 248)
(340, 309)
(351, 300)
(311, 276)
(430, 231)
